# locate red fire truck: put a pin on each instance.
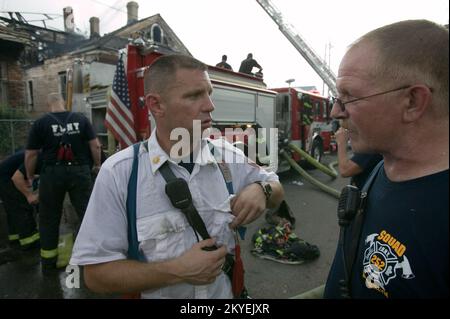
(243, 101)
(304, 120)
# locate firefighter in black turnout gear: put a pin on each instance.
(18, 202)
(69, 144)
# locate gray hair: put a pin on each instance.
(411, 52)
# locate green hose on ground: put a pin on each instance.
(331, 167)
(316, 293)
(308, 177)
(313, 161)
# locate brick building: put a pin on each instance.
(35, 60)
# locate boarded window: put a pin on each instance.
(30, 96)
(63, 84)
(3, 83)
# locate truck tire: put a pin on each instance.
(317, 150)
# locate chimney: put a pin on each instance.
(69, 25)
(95, 27)
(132, 10)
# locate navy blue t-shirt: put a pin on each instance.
(188, 163)
(404, 245)
(14, 162)
(47, 133)
(9, 165)
(367, 162)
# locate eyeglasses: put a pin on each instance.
(342, 104)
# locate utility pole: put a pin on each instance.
(289, 82)
(329, 61)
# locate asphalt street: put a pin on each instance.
(316, 222)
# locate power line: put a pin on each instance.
(111, 7)
(37, 13)
(22, 19)
(109, 15)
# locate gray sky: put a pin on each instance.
(210, 28)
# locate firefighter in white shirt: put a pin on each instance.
(178, 92)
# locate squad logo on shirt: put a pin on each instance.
(384, 259)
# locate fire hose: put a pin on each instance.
(332, 165)
(308, 177)
(313, 161)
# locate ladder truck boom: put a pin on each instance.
(316, 62)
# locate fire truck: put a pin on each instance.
(244, 107)
(243, 101)
(303, 119)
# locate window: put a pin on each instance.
(317, 109)
(30, 96)
(283, 118)
(157, 33)
(3, 82)
(233, 105)
(326, 110)
(63, 84)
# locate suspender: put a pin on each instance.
(133, 243)
(225, 170)
(173, 187)
(64, 125)
(226, 173)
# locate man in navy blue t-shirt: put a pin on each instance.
(393, 100)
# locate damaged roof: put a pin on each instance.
(119, 38)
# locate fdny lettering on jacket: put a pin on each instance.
(71, 128)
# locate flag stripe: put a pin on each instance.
(119, 117)
(117, 131)
(120, 128)
(120, 105)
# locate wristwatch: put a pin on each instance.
(267, 189)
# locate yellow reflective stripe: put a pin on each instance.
(29, 240)
(13, 237)
(49, 253)
(65, 247)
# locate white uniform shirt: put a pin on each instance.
(163, 231)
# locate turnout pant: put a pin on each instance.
(19, 215)
(55, 182)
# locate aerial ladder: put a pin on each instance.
(316, 62)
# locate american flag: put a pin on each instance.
(119, 119)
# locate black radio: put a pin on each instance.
(348, 205)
